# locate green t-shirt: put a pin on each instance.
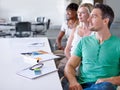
(98, 60)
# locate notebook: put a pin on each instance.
(34, 57)
(33, 74)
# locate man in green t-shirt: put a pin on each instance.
(97, 56)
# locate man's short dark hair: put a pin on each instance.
(72, 6)
(107, 12)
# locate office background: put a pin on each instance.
(28, 10)
(53, 9)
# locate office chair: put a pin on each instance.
(4, 34)
(23, 29)
(42, 22)
(47, 26)
(15, 19)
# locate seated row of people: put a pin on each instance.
(89, 47)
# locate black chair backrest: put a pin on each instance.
(41, 19)
(23, 26)
(15, 19)
(48, 24)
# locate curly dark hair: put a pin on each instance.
(72, 6)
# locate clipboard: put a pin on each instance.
(31, 74)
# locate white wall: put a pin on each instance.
(53, 9)
(115, 6)
(66, 2)
(30, 9)
(88, 1)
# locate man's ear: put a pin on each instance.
(106, 20)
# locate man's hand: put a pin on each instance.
(75, 86)
(113, 80)
(103, 80)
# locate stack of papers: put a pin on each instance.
(38, 56)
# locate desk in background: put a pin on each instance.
(6, 26)
(7, 29)
(12, 62)
(36, 27)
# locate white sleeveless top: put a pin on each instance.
(66, 29)
(76, 40)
